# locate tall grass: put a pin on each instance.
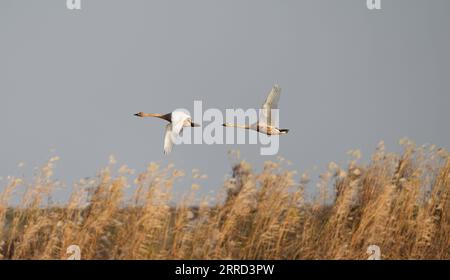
(399, 202)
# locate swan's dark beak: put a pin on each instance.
(137, 114)
(194, 124)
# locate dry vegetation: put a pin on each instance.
(398, 202)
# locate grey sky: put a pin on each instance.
(72, 80)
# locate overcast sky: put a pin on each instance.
(350, 77)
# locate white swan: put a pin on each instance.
(266, 123)
(177, 120)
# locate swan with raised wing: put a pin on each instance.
(266, 121)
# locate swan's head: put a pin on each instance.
(140, 114)
(227, 125)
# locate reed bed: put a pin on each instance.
(399, 202)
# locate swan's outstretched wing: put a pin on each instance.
(270, 103)
(174, 129)
(178, 121)
(168, 139)
(178, 126)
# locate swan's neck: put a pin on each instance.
(166, 117)
(152, 115)
(238, 126)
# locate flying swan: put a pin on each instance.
(177, 120)
(266, 122)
